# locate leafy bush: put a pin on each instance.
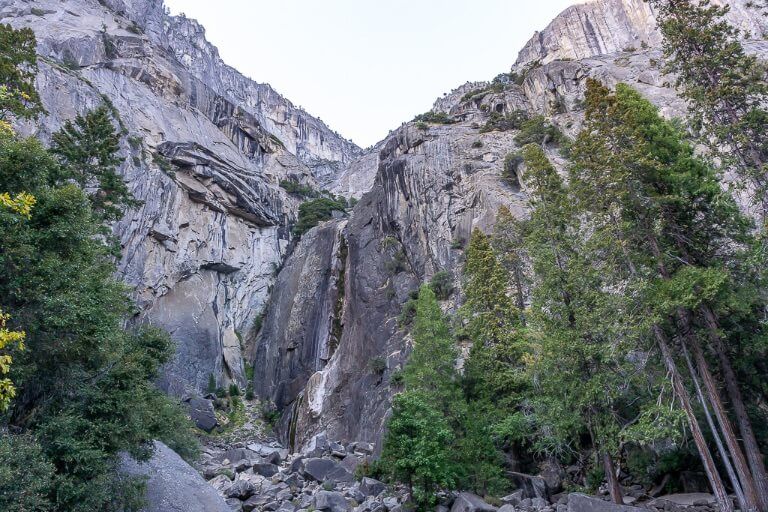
(434, 118)
(477, 144)
(26, 476)
(500, 122)
(234, 390)
(442, 284)
(537, 130)
(211, 388)
(297, 189)
(377, 365)
(312, 213)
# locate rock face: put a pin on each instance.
(174, 485)
(205, 149)
(332, 324)
(599, 27)
(209, 251)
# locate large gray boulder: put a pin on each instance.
(578, 502)
(202, 414)
(172, 484)
(468, 502)
(532, 486)
(329, 500)
(326, 469)
(371, 487)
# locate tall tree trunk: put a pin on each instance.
(751, 447)
(748, 500)
(613, 483)
(713, 476)
(715, 434)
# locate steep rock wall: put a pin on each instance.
(205, 149)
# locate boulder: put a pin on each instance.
(532, 486)
(172, 484)
(265, 469)
(330, 500)
(254, 502)
(321, 470)
(202, 414)
(371, 487)
(578, 502)
(241, 489)
(468, 502)
(234, 504)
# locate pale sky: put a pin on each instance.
(366, 66)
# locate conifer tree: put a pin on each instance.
(726, 89)
(88, 149)
(669, 231)
(507, 242)
(18, 68)
(579, 363)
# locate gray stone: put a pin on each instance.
(242, 465)
(330, 500)
(234, 504)
(532, 486)
(468, 502)
(265, 469)
(371, 487)
(202, 414)
(254, 502)
(321, 470)
(582, 503)
(507, 508)
(171, 482)
(240, 489)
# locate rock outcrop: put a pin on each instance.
(598, 27)
(205, 151)
(172, 484)
(433, 184)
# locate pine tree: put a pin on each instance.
(726, 89)
(88, 149)
(580, 365)
(417, 447)
(507, 242)
(18, 68)
(669, 231)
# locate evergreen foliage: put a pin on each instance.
(18, 67)
(88, 150)
(312, 213)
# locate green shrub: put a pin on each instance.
(221, 392)
(312, 213)
(434, 118)
(295, 188)
(211, 389)
(377, 365)
(537, 130)
(500, 122)
(477, 144)
(234, 390)
(442, 284)
(249, 395)
(26, 476)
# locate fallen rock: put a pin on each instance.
(172, 484)
(241, 489)
(578, 502)
(321, 470)
(468, 502)
(202, 414)
(265, 469)
(330, 500)
(371, 487)
(687, 499)
(532, 486)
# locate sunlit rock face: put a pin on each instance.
(598, 27)
(204, 148)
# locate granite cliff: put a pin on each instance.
(210, 250)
